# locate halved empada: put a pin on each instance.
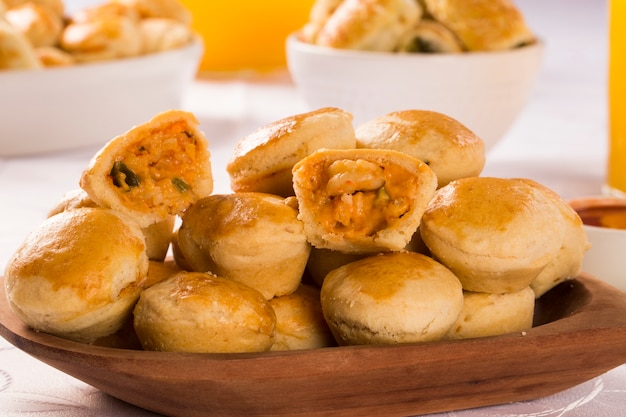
(362, 200)
(154, 170)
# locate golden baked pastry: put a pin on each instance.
(41, 25)
(159, 238)
(485, 314)
(449, 148)
(430, 36)
(253, 238)
(157, 235)
(199, 312)
(362, 200)
(105, 38)
(71, 200)
(300, 323)
(154, 170)
(177, 254)
(162, 34)
(322, 261)
(567, 263)
(160, 271)
(417, 244)
(171, 9)
(400, 297)
(263, 160)
(52, 56)
(104, 10)
(370, 25)
(482, 25)
(495, 234)
(321, 10)
(79, 274)
(17, 52)
(57, 6)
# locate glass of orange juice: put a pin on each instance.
(241, 35)
(616, 163)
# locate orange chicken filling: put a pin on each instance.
(361, 198)
(159, 171)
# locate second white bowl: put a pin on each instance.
(483, 90)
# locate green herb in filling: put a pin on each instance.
(180, 185)
(124, 177)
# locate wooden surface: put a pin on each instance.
(580, 333)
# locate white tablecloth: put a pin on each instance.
(559, 140)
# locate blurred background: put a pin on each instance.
(249, 34)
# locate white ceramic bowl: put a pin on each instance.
(63, 108)
(483, 90)
(606, 259)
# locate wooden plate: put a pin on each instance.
(580, 333)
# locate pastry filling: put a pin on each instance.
(158, 172)
(361, 197)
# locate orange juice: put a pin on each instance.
(616, 164)
(246, 34)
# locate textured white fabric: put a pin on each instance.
(559, 140)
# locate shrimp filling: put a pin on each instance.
(362, 198)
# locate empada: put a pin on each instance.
(448, 147)
(104, 38)
(79, 274)
(484, 314)
(17, 52)
(496, 234)
(263, 160)
(482, 25)
(362, 200)
(41, 25)
(568, 261)
(172, 9)
(154, 170)
(369, 25)
(253, 238)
